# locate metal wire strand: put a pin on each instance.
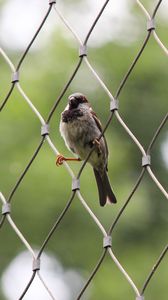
(2, 220)
(24, 55)
(95, 21)
(34, 37)
(127, 201)
(124, 80)
(138, 55)
(149, 18)
(156, 9)
(27, 286)
(56, 224)
(25, 170)
(158, 130)
(155, 267)
(64, 90)
(95, 270)
(7, 96)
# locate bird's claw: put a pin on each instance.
(96, 142)
(60, 159)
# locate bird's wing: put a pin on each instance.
(98, 123)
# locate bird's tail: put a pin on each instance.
(104, 188)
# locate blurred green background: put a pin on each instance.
(141, 233)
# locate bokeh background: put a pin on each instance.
(74, 249)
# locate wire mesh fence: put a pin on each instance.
(146, 167)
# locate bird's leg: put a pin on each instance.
(60, 158)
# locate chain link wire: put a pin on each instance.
(45, 136)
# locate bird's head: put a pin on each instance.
(76, 99)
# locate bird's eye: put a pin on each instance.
(73, 103)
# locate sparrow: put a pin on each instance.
(81, 129)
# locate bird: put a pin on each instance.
(82, 130)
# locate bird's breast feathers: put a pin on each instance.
(73, 128)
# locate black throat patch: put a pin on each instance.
(71, 115)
